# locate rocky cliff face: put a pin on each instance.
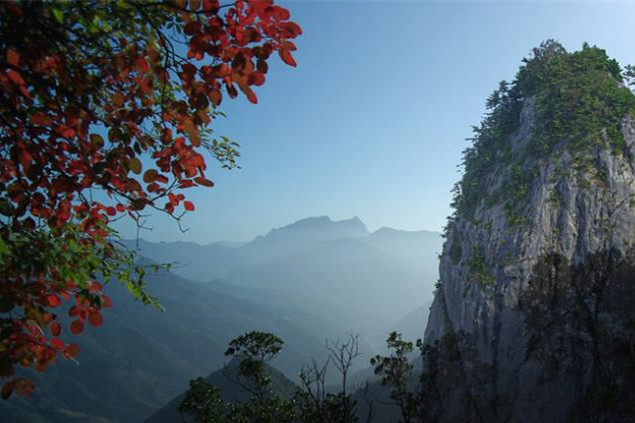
(532, 311)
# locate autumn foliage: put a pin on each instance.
(106, 111)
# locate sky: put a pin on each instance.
(373, 121)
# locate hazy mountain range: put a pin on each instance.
(306, 282)
(215, 260)
(334, 269)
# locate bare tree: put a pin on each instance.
(317, 404)
(342, 355)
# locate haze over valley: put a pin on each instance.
(307, 282)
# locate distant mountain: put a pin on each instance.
(333, 269)
(230, 244)
(344, 281)
(142, 358)
(416, 249)
(204, 263)
(224, 379)
(313, 280)
(302, 235)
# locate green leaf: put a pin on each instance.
(135, 165)
(3, 248)
(97, 140)
(5, 207)
(59, 15)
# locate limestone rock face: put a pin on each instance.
(499, 280)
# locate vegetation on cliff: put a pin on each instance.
(580, 100)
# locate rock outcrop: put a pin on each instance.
(532, 309)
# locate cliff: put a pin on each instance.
(533, 313)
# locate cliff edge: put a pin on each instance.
(535, 308)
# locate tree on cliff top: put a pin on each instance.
(105, 111)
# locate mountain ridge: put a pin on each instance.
(215, 260)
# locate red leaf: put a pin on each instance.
(24, 386)
(15, 77)
(293, 28)
(56, 329)
(13, 57)
(204, 181)
(106, 301)
(257, 79)
(286, 57)
(57, 343)
(262, 66)
(7, 390)
(211, 6)
(96, 319)
(231, 90)
(282, 13)
(43, 364)
(41, 119)
(142, 65)
(53, 300)
(25, 159)
(192, 132)
(288, 45)
(162, 179)
(174, 200)
(251, 96)
(77, 327)
(150, 176)
(189, 206)
(68, 133)
(65, 131)
(215, 97)
(95, 287)
(72, 350)
(118, 99)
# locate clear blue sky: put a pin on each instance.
(373, 121)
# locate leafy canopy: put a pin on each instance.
(106, 111)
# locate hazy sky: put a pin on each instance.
(373, 121)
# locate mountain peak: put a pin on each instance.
(326, 223)
(387, 230)
(310, 222)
